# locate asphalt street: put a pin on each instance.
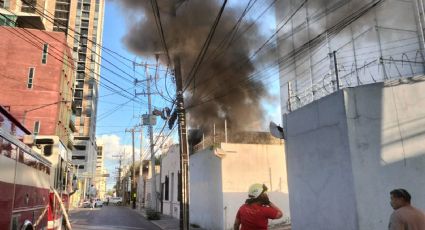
(108, 218)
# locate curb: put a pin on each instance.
(143, 214)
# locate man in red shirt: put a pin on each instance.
(257, 210)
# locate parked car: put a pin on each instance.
(115, 200)
(86, 204)
(98, 203)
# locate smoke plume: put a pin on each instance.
(223, 87)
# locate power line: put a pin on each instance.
(42, 42)
(329, 32)
(257, 51)
(231, 34)
(42, 14)
(158, 22)
(50, 19)
(192, 74)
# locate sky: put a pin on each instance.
(117, 113)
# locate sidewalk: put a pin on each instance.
(170, 223)
(165, 223)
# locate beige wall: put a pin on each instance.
(245, 164)
(226, 174)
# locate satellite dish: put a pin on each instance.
(276, 130)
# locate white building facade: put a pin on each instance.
(170, 171)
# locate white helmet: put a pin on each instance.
(256, 190)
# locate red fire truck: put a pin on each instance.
(29, 180)
(52, 148)
(24, 179)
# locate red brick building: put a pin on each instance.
(37, 80)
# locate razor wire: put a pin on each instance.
(404, 65)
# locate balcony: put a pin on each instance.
(72, 124)
(70, 144)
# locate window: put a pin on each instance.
(79, 85)
(36, 127)
(79, 147)
(166, 188)
(81, 66)
(78, 112)
(78, 103)
(30, 77)
(5, 147)
(80, 75)
(61, 15)
(179, 186)
(81, 57)
(85, 23)
(84, 32)
(83, 41)
(44, 56)
(29, 6)
(86, 7)
(79, 157)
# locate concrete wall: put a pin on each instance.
(170, 167)
(348, 150)
(387, 136)
(148, 186)
(245, 164)
(320, 177)
(206, 197)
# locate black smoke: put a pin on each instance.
(223, 87)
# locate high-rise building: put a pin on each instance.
(82, 22)
(100, 173)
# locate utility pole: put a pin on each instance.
(133, 172)
(150, 127)
(184, 153)
(119, 174)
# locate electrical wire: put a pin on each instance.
(50, 19)
(107, 50)
(192, 74)
(22, 36)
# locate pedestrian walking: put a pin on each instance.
(92, 195)
(405, 216)
(257, 210)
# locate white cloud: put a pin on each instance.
(112, 147)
